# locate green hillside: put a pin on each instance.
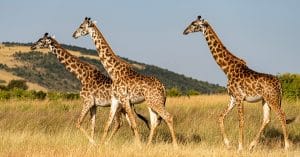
(45, 70)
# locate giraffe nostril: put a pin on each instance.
(185, 32)
(74, 35)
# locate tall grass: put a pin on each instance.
(47, 128)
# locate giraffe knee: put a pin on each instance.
(78, 125)
(221, 119)
(169, 118)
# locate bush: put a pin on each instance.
(4, 95)
(40, 95)
(174, 91)
(192, 92)
(20, 84)
(290, 85)
(3, 87)
(59, 95)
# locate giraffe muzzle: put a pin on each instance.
(74, 35)
(186, 32)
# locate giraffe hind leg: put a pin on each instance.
(168, 118)
(241, 125)
(282, 118)
(93, 110)
(266, 121)
(154, 120)
(131, 117)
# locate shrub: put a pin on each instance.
(20, 84)
(59, 95)
(174, 91)
(4, 95)
(290, 85)
(40, 95)
(192, 92)
(3, 87)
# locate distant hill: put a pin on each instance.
(43, 69)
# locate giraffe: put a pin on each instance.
(96, 87)
(128, 85)
(244, 84)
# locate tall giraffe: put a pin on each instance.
(244, 84)
(96, 87)
(128, 84)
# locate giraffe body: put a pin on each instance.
(96, 87)
(128, 85)
(244, 84)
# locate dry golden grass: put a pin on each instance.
(47, 128)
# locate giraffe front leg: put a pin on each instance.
(113, 109)
(241, 125)
(86, 107)
(282, 118)
(129, 112)
(117, 125)
(221, 121)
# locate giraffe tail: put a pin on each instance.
(142, 118)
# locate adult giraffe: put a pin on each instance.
(96, 87)
(128, 84)
(244, 84)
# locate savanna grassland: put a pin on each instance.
(47, 128)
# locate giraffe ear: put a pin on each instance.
(53, 36)
(94, 22)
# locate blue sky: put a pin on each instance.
(264, 33)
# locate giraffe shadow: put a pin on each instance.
(181, 138)
(273, 134)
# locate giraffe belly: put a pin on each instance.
(103, 103)
(137, 100)
(253, 99)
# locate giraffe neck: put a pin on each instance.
(226, 60)
(114, 65)
(72, 63)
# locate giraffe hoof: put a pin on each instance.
(106, 143)
(240, 150)
(287, 146)
(252, 146)
(92, 142)
(227, 144)
(175, 145)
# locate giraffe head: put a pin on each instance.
(43, 42)
(198, 25)
(84, 28)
